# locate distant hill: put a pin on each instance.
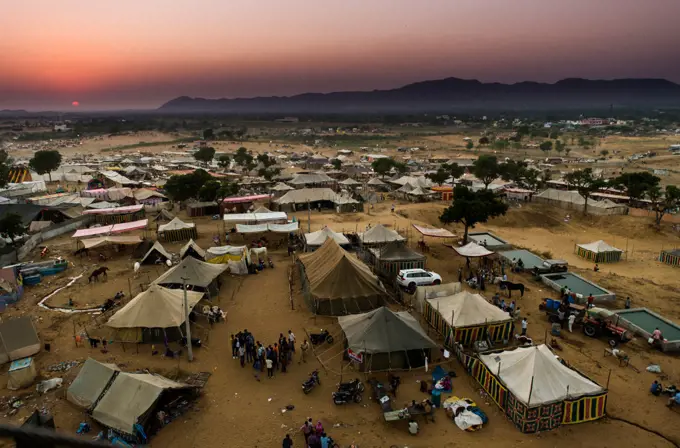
(451, 94)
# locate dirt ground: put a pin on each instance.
(238, 408)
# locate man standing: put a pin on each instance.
(524, 326)
(242, 355)
(303, 351)
(572, 318)
(627, 303)
(591, 299)
(291, 341)
(287, 442)
(270, 368)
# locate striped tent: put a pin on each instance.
(599, 252)
(177, 230)
(671, 257)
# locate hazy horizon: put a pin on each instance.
(138, 55)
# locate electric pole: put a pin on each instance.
(187, 325)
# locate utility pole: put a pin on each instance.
(187, 325)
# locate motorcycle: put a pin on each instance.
(311, 382)
(320, 338)
(347, 392)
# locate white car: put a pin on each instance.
(410, 278)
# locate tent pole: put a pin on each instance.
(608, 378)
(531, 389)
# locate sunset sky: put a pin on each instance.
(141, 53)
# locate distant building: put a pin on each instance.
(61, 128)
(287, 120)
(593, 122)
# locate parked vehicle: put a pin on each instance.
(410, 278)
(320, 338)
(349, 392)
(551, 267)
(552, 310)
(601, 322)
(311, 382)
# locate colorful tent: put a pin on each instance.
(671, 257)
(599, 252)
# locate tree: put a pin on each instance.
(265, 160)
(205, 154)
(337, 163)
(513, 171)
(604, 153)
(226, 190)
(637, 184)
(484, 141)
(241, 132)
(472, 207)
(400, 167)
(455, 170)
(186, 186)
(486, 169)
(584, 182)
(244, 158)
(500, 144)
(559, 146)
(567, 151)
(439, 176)
(224, 161)
(44, 162)
(546, 146)
(269, 172)
(208, 192)
(382, 166)
(516, 145)
(5, 164)
(11, 226)
(663, 201)
(469, 144)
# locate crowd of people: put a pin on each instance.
(274, 357)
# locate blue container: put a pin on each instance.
(437, 398)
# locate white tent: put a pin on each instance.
(465, 309)
(380, 234)
(161, 253)
(599, 247)
(473, 249)
(175, 224)
(552, 381)
(319, 237)
(191, 245)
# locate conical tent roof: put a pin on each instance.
(349, 181)
(196, 273)
(193, 246)
(598, 247)
(320, 236)
(552, 380)
(473, 249)
(466, 309)
(175, 224)
(375, 181)
(163, 215)
(380, 234)
(333, 273)
(396, 251)
(384, 331)
(262, 209)
(157, 248)
(157, 307)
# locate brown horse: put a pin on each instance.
(97, 272)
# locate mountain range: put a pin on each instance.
(452, 94)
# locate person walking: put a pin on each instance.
(524, 326)
(234, 347)
(291, 341)
(270, 368)
(287, 442)
(303, 351)
(572, 318)
(242, 355)
(283, 356)
(627, 303)
(591, 299)
(306, 429)
(260, 356)
(276, 356)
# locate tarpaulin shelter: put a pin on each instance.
(388, 340)
(316, 239)
(255, 218)
(435, 233)
(236, 257)
(203, 209)
(307, 198)
(465, 318)
(337, 283)
(156, 255)
(177, 230)
(599, 252)
(22, 373)
(191, 249)
(472, 250)
(536, 390)
(153, 315)
(433, 291)
(90, 383)
(90, 243)
(379, 235)
(117, 215)
(275, 228)
(115, 228)
(18, 339)
(197, 274)
(163, 215)
(572, 200)
(393, 257)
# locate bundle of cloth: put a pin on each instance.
(465, 413)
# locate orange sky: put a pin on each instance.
(139, 54)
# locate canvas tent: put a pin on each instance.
(599, 252)
(433, 291)
(163, 215)
(22, 373)
(465, 318)
(197, 273)
(192, 249)
(572, 200)
(153, 315)
(337, 283)
(388, 340)
(317, 239)
(472, 250)
(90, 383)
(378, 235)
(177, 230)
(393, 257)
(535, 389)
(156, 255)
(18, 339)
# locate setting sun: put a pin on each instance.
(75, 104)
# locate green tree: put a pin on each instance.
(269, 173)
(472, 207)
(559, 146)
(567, 150)
(513, 171)
(224, 161)
(208, 191)
(546, 146)
(604, 153)
(382, 166)
(186, 186)
(11, 226)
(337, 163)
(663, 201)
(500, 144)
(483, 140)
(243, 158)
(226, 190)
(439, 176)
(637, 185)
(585, 183)
(455, 170)
(5, 165)
(469, 144)
(205, 154)
(486, 169)
(265, 160)
(400, 167)
(241, 132)
(44, 162)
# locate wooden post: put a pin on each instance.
(129, 288)
(608, 378)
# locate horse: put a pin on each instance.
(513, 287)
(81, 251)
(422, 245)
(97, 272)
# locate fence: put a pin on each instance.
(51, 232)
(675, 219)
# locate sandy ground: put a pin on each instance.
(238, 408)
